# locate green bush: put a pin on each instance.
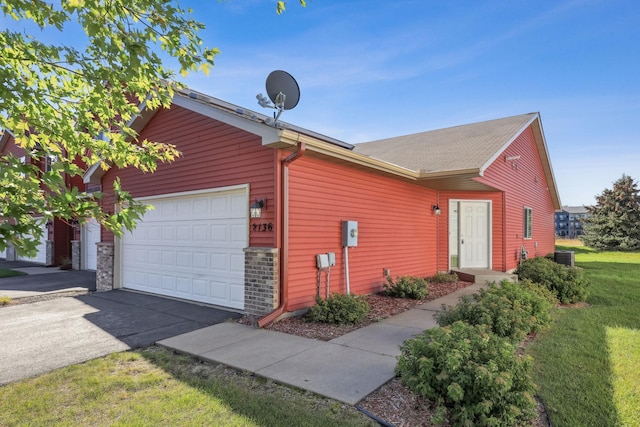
(509, 310)
(341, 309)
(443, 278)
(565, 282)
(474, 373)
(539, 290)
(406, 287)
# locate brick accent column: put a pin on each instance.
(75, 255)
(49, 260)
(11, 253)
(261, 281)
(104, 273)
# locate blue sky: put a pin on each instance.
(372, 69)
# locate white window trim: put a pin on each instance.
(528, 236)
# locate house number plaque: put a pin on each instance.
(262, 227)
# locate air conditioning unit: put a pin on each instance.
(565, 258)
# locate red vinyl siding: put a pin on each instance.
(61, 233)
(524, 184)
(395, 223)
(214, 154)
(497, 235)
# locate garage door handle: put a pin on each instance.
(462, 242)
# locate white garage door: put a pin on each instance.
(191, 247)
(3, 253)
(41, 256)
(90, 236)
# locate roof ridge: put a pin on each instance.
(449, 128)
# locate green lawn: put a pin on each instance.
(587, 364)
(156, 387)
(10, 273)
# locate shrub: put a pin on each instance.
(443, 278)
(539, 290)
(406, 287)
(341, 309)
(565, 282)
(509, 310)
(473, 372)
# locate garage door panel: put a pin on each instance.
(237, 264)
(190, 247)
(41, 248)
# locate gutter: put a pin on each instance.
(284, 230)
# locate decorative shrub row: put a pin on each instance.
(341, 309)
(406, 287)
(473, 372)
(469, 367)
(510, 310)
(566, 283)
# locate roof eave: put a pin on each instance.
(290, 138)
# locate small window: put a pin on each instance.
(50, 159)
(527, 222)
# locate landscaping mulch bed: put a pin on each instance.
(393, 402)
(382, 307)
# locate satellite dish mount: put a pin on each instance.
(283, 92)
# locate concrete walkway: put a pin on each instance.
(347, 368)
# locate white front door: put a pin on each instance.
(474, 234)
(90, 236)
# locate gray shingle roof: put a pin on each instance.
(457, 148)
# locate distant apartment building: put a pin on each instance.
(569, 221)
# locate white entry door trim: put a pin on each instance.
(475, 234)
(190, 246)
(90, 236)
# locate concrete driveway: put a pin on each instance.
(42, 336)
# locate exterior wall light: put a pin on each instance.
(256, 208)
(436, 209)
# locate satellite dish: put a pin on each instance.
(281, 82)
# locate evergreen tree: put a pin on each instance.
(614, 222)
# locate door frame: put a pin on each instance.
(84, 247)
(457, 237)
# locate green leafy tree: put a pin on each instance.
(75, 104)
(614, 221)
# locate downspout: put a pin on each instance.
(284, 233)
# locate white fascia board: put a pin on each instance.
(497, 154)
(267, 133)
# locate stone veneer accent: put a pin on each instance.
(75, 255)
(261, 284)
(104, 273)
(49, 253)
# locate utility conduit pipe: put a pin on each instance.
(284, 230)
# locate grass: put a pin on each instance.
(587, 365)
(10, 273)
(157, 387)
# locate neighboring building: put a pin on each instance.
(569, 221)
(55, 247)
(474, 196)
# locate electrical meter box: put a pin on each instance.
(349, 233)
(322, 261)
(332, 258)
